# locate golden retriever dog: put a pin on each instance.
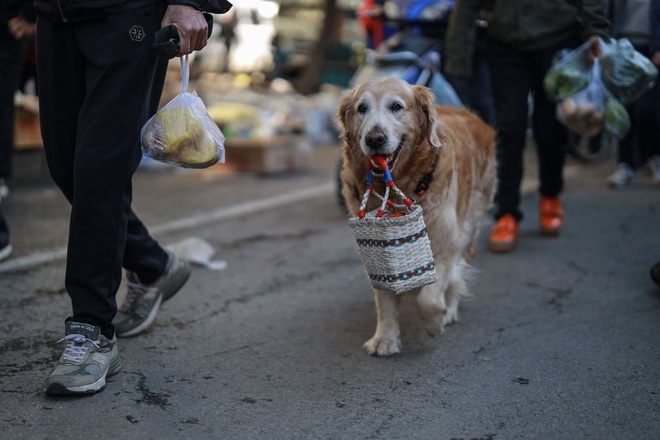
(441, 157)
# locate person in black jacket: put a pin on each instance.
(100, 79)
(17, 22)
(522, 38)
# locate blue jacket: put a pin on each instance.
(74, 11)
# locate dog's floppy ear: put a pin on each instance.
(345, 108)
(425, 100)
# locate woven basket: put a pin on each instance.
(395, 251)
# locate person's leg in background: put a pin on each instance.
(550, 136)
(640, 145)
(11, 67)
(511, 83)
(5, 244)
(647, 118)
(624, 174)
(482, 98)
(475, 92)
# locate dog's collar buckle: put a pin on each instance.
(423, 184)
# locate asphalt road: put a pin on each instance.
(559, 341)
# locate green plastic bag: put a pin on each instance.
(626, 73)
(569, 74)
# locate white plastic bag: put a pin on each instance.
(583, 112)
(182, 132)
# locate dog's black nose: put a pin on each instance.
(375, 139)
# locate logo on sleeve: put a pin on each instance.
(136, 33)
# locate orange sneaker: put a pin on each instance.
(504, 234)
(551, 215)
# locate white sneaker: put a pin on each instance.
(6, 251)
(4, 190)
(654, 166)
(622, 177)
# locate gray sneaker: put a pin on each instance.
(142, 302)
(4, 190)
(88, 358)
(654, 167)
(622, 177)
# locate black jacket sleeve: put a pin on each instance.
(213, 6)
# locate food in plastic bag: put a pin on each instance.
(580, 116)
(570, 73)
(182, 132)
(617, 120)
(585, 104)
(626, 73)
(583, 112)
(566, 82)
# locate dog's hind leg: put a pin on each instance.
(385, 341)
(437, 303)
(456, 290)
(432, 306)
(483, 199)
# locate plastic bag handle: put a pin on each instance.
(185, 72)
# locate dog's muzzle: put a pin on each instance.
(390, 158)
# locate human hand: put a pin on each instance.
(192, 27)
(19, 28)
(655, 59)
(595, 51)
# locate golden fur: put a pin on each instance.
(387, 114)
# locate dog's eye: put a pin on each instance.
(395, 107)
(362, 108)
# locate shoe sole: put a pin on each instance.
(144, 324)
(549, 232)
(60, 389)
(500, 247)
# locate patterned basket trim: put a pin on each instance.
(371, 242)
(393, 278)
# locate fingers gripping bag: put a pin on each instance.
(182, 133)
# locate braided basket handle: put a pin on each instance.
(389, 185)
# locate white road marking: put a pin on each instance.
(194, 221)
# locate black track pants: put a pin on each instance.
(99, 81)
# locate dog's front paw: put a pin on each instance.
(378, 346)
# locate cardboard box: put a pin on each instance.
(27, 131)
(277, 154)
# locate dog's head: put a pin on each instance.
(388, 117)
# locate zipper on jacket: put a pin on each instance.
(59, 7)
